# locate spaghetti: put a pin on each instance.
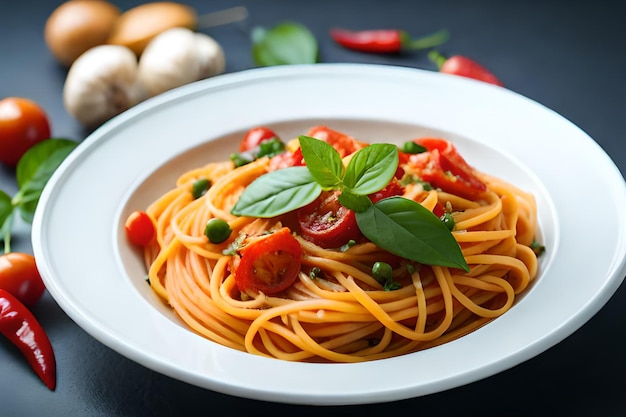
(336, 310)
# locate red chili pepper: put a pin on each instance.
(385, 40)
(21, 327)
(464, 67)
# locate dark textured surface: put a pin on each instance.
(566, 55)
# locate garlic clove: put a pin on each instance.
(177, 57)
(211, 56)
(169, 61)
(101, 84)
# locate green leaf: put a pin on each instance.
(34, 169)
(286, 43)
(371, 168)
(323, 161)
(354, 202)
(278, 192)
(407, 229)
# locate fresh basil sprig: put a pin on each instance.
(33, 171)
(396, 224)
(283, 44)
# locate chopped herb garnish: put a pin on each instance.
(347, 245)
(538, 248)
(315, 273)
(448, 220)
(270, 147)
(412, 148)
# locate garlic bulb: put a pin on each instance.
(177, 57)
(102, 83)
(211, 56)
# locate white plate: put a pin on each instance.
(91, 272)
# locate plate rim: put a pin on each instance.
(91, 143)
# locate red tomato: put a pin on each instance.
(139, 228)
(19, 276)
(343, 143)
(270, 264)
(327, 223)
(392, 189)
(22, 124)
(254, 137)
(287, 159)
(443, 167)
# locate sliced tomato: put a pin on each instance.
(139, 228)
(269, 264)
(392, 189)
(439, 210)
(344, 144)
(287, 159)
(327, 223)
(443, 167)
(255, 136)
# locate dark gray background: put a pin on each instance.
(567, 55)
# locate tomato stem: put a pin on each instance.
(8, 224)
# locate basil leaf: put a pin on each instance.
(371, 168)
(286, 43)
(354, 202)
(277, 192)
(35, 168)
(323, 161)
(407, 229)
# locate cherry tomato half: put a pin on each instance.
(327, 223)
(23, 123)
(139, 228)
(270, 264)
(254, 137)
(20, 277)
(392, 189)
(443, 167)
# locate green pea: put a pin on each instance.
(200, 187)
(217, 230)
(382, 272)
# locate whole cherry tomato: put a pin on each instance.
(327, 223)
(139, 228)
(270, 264)
(23, 123)
(254, 137)
(20, 277)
